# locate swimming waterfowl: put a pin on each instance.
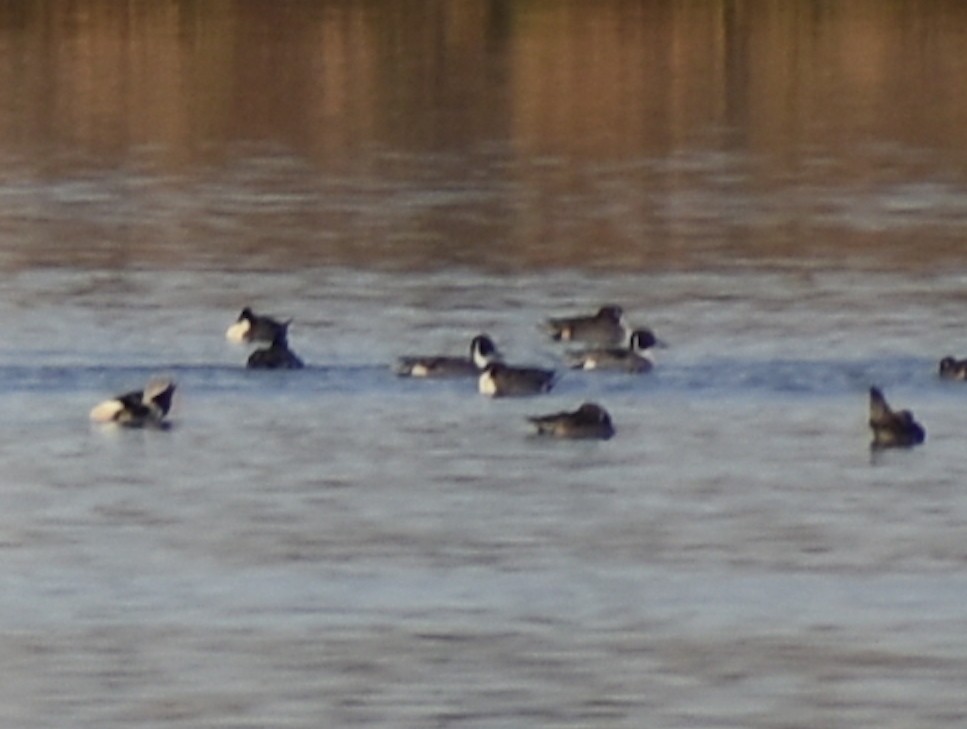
(588, 421)
(277, 356)
(953, 369)
(483, 351)
(501, 380)
(604, 328)
(892, 429)
(636, 357)
(250, 327)
(138, 408)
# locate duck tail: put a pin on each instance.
(880, 411)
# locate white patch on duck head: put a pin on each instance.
(483, 351)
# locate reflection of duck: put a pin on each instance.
(482, 352)
(250, 327)
(953, 369)
(500, 380)
(892, 429)
(636, 357)
(277, 356)
(588, 421)
(604, 328)
(139, 408)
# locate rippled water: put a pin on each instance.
(339, 546)
(778, 189)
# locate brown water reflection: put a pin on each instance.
(419, 134)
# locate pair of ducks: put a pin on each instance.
(495, 378)
(898, 428)
(251, 328)
(148, 408)
(891, 428)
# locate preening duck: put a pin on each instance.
(892, 429)
(138, 408)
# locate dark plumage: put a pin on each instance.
(138, 408)
(483, 351)
(953, 369)
(604, 328)
(892, 429)
(587, 422)
(277, 356)
(500, 380)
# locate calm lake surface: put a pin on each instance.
(778, 189)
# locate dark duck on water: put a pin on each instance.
(892, 428)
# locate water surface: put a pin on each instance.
(342, 543)
(777, 189)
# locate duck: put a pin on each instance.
(138, 408)
(636, 357)
(605, 328)
(483, 351)
(277, 356)
(892, 429)
(589, 421)
(251, 327)
(501, 380)
(953, 369)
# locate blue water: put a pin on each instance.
(341, 546)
